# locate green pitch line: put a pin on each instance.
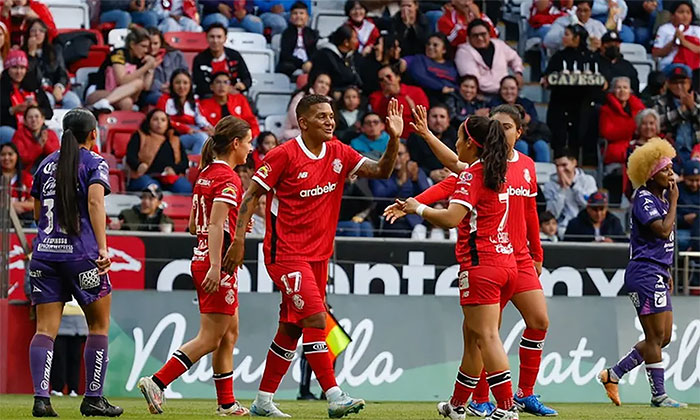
(20, 407)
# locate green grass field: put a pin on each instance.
(19, 407)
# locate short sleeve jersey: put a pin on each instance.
(53, 243)
(644, 244)
(217, 182)
(303, 201)
(482, 237)
(522, 186)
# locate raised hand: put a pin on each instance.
(394, 118)
(393, 213)
(420, 121)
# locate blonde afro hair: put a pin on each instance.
(644, 158)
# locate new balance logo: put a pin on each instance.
(303, 175)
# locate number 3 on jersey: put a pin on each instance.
(49, 203)
(199, 206)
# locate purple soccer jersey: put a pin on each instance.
(644, 245)
(52, 243)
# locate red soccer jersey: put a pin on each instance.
(482, 239)
(217, 182)
(523, 222)
(303, 201)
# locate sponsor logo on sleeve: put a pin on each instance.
(264, 170)
(230, 190)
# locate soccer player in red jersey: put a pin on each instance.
(480, 207)
(215, 203)
(303, 180)
(527, 295)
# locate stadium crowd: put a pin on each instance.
(454, 57)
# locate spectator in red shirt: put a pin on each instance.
(33, 139)
(185, 114)
(458, 14)
(225, 103)
(391, 87)
(617, 123)
(265, 142)
(20, 181)
(367, 32)
(542, 14)
(16, 14)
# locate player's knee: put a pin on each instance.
(540, 322)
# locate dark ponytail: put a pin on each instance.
(77, 125)
(515, 111)
(227, 129)
(495, 157)
(492, 148)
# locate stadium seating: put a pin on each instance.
(259, 61)
(544, 170)
(178, 208)
(327, 21)
(117, 177)
(56, 122)
(193, 42)
(69, 13)
(117, 37)
(270, 93)
(81, 80)
(117, 129)
(245, 40)
(115, 203)
(96, 56)
(275, 123)
(633, 52)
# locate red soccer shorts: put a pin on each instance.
(303, 287)
(526, 281)
(484, 285)
(224, 300)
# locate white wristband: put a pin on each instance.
(420, 209)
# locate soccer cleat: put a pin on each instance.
(500, 414)
(531, 404)
(153, 394)
(666, 401)
(476, 409)
(42, 408)
(344, 405)
(99, 406)
(269, 409)
(611, 387)
(446, 409)
(236, 410)
(56, 393)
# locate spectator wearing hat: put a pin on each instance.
(486, 58)
(147, 216)
(18, 94)
(612, 63)
(679, 110)
(678, 41)
(216, 59)
(568, 189)
(595, 223)
(688, 222)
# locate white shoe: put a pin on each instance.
(103, 104)
(153, 394)
(266, 409)
(500, 414)
(73, 394)
(344, 405)
(446, 409)
(236, 410)
(57, 393)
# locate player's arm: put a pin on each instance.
(215, 229)
(394, 126)
(532, 221)
(98, 220)
(444, 218)
(446, 156)
(440, 191)
(191, 224)
(234, 254)
(662, 228)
